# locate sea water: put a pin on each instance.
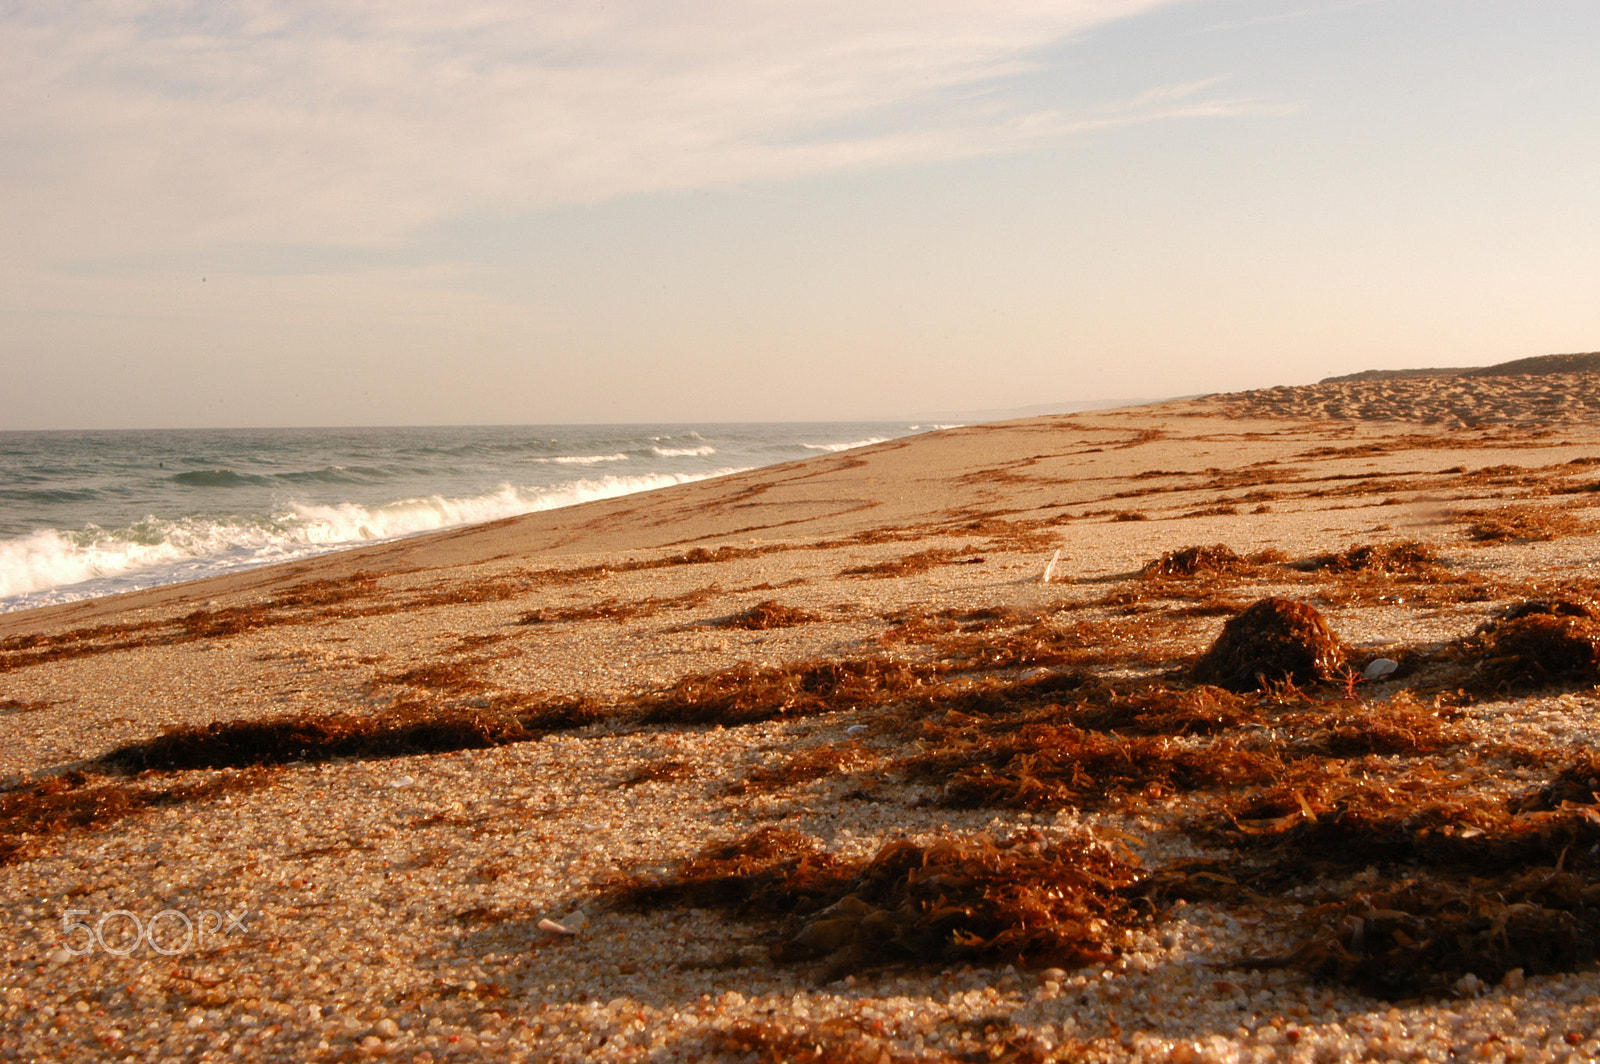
(93, 513)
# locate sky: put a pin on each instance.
(391, 212)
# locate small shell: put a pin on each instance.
(1379, 668)
(554, 928)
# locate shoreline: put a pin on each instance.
(662, 709)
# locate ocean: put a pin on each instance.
(93, 513)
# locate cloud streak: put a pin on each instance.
(168, 124)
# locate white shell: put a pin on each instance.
(1379, 669)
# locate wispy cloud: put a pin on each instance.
(145, 124)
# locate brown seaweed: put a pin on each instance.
(1274, 641)
(405, 729)
(1539, 643)
(769, 613)
(957, 898)
(76, 801)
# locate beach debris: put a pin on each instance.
(1403, 556)
(1378, 668)
(1023, 900)
(660, 770)
(1521, 524)
(613, 609)
(919, 562)
(1045, 766)
(1274, 641)
(1441, 938)
(407, 727)
(555, 927)
(1577, 784)
(1191, 561)
(746, 693)
(1541, 642)
(857, 729)
(33, 810)
(816, 763)
(768, 614)
(1050, 567)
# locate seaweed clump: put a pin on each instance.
(769, 613)
(1541, 642)
(410, 728)
(920, 562)
(1193, 561)
(1527, 524)
(1409, 557)
(1434, 937)
(1274, 641)
(747, 693)
(959, 898)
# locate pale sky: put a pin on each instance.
(396, 212)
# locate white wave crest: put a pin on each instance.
(843, 446)
(582, 459)
(684, 452)
(49, 559)
(36, 568)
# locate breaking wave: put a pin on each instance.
(582, 459)
(684, 452)
(48, 565)
(844, 446)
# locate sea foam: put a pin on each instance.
(844, 446)
(49, 565)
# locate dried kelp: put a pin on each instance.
(1274, 641)
(1538, 643)
(746, 693)
(1193, 561)
(769, 613)
(1578, 784)
(1435, 937)
(1043, 765)
(1409, 557)
(1023, 900)
(770, 872)
(76, 801)
(920, 562)
(405, 729)
(814, 764)
(1521, 524)
(613, 609)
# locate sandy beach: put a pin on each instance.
(814, 762)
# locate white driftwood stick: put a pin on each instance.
(1050, 568)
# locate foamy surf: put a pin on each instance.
(580, 459)
(835, 447)
(684, 452)
(51, 566)
(92, 513)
